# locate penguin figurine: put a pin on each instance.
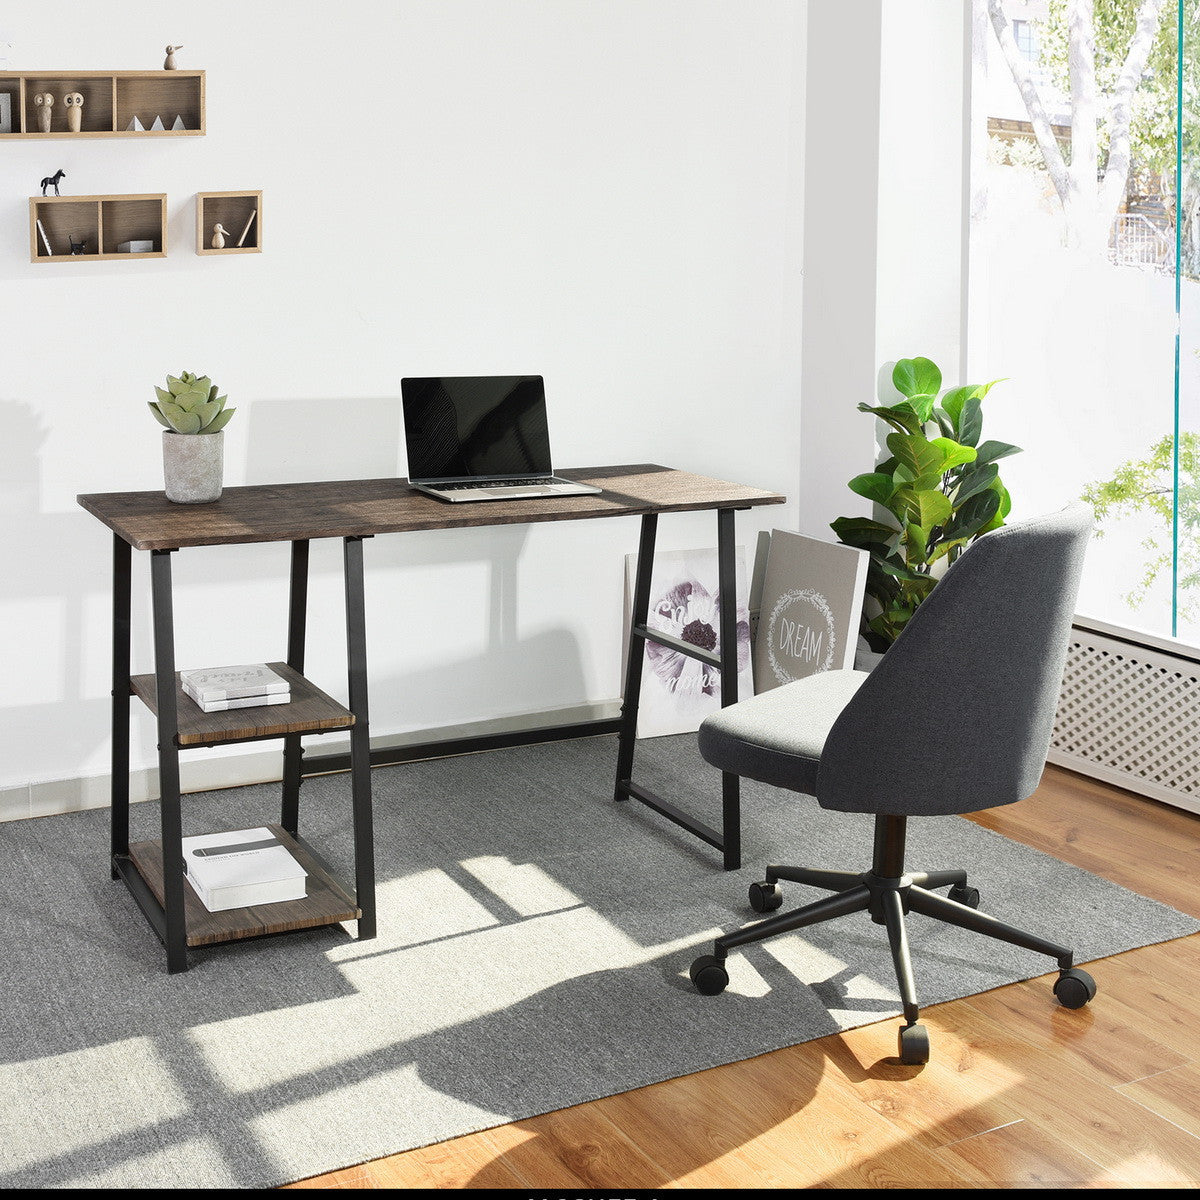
(218, 237)
(171, 64)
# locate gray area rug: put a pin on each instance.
(533, 953)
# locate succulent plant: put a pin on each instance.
(190, 404)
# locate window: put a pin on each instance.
(1026, 37)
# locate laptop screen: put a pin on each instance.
(477, 426)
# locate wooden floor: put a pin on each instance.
(1019, 1092)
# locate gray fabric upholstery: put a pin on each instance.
(958, 714)
(777, 737)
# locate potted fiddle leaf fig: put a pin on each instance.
(193, 416)
(936, 488)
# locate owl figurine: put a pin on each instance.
(45, 106)
(74, 103)
(218, 237)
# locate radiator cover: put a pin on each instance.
(1129, 712)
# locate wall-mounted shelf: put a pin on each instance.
(238, 213)
(111, 101)
(101, 223)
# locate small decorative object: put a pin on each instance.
(939, 486)
(192, 465)
(246, 228)
(135, 126)
(6, 124)
(138, 246)
(77, 247)
(53, 181)
(45, 105)
(45, 239)
(218, 237)
(158, 125)
(178, 123)
(171, 64)
(74, 103)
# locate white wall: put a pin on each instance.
(608, 192)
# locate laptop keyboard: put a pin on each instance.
(491, 483)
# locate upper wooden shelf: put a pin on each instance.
(111, 101)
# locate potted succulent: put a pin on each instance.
(936, 488)
(193, 417)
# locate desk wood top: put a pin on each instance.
(365, 507)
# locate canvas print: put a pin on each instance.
(810, 608)
(678, 692)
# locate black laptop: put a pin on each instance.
(481, 437)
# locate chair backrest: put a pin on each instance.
(958, 714)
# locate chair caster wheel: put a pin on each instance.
(765, 896)
(914, 1044)
(962, 894)
(709, 975)
(1074, 988)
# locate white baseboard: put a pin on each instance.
(205, 774)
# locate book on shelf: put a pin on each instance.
(208, 684)
(237, 701)
(240, 868)
(246, 227)
(45, 239)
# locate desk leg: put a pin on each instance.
(168, 760)
(360, 738)
(293, 749)
(637, 654)
(731, 805)
(122, 554)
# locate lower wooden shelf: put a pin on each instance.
(94, 228)
(327, 902)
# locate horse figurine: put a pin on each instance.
(52, 180)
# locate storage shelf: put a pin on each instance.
(111, 99)
(102, 223)
(236, 213)
(310, 710)
(327, 901)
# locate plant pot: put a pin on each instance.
(193, 466)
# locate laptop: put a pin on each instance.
(481, 437)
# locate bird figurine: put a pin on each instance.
(218, 237)
(45, 107)
(171, 64)
(74, 103)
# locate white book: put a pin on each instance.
(249, 222)
(45, 239)
(811, 604)
(242, 867)
(230, 683)
(238, 701)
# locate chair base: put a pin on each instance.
(887, 893)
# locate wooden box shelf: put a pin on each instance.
(101, 222)
(111, 99)
(310, 710)
(327, 901)
(237, 213)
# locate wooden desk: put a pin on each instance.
(354, 510)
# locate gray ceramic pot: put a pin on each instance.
(193, 466)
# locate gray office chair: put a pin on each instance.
(956, 717)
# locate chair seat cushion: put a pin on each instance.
(777, 736)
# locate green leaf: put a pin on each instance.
(975, 481)
(922, 405)
(916, 541)
(970, 422)
(164, 396)
(945, 424)
(206, 412)
(991, 451)
(220, 420)
(917, 453)
(944, 548)
(202, 384)
(954, 453)
(862, 532)
(186, 422)
(900, 416)
(177, 385)
(916, 377)
(926, 508)
(971, 517)
(874, 486)
(158, 415)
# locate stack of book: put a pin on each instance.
(241, 868)
(217, 688)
